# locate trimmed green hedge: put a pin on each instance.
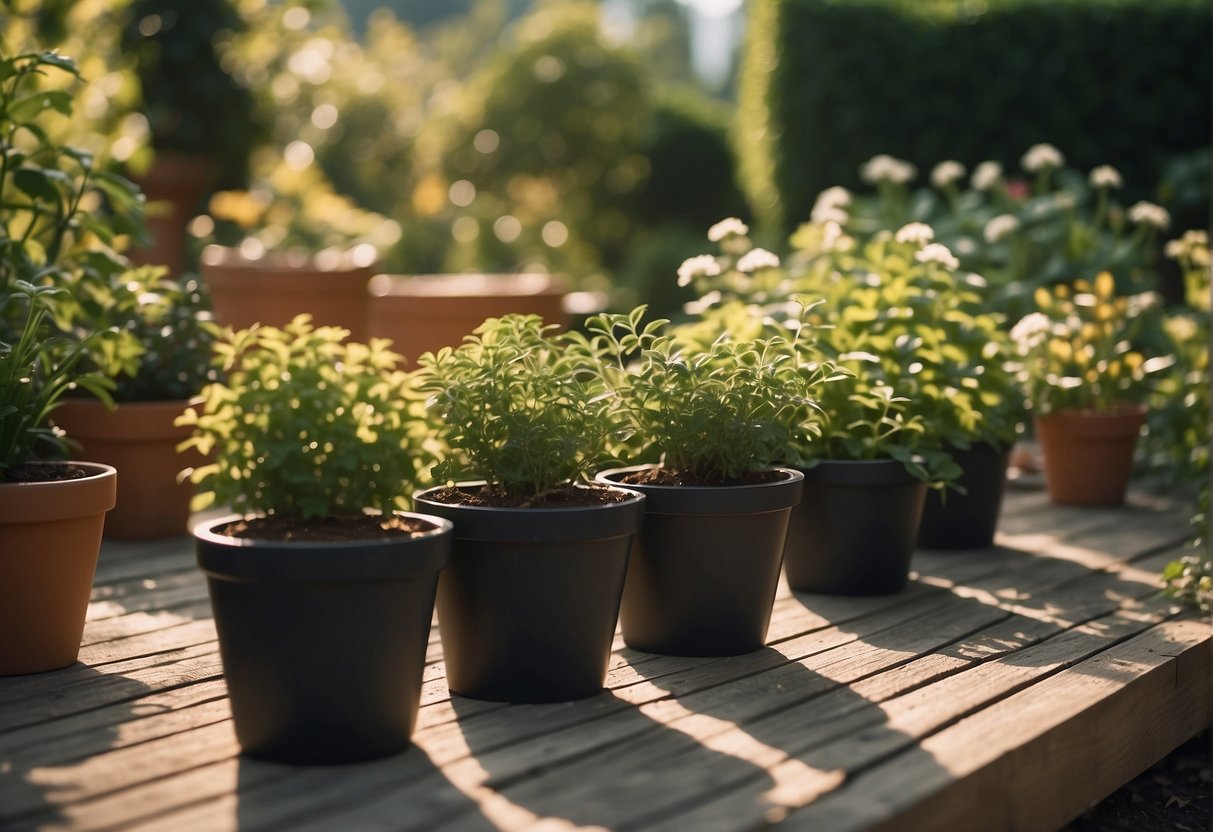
(827, 84)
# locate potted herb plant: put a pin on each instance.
(51, 513)
(718, 419)
(167, 320)
(291, 245)
(1085, 385)
(322, 589)
(528, 607)
(901, 299)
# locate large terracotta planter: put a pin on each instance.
(174, 185)
(1088, 454)
(275, 288)
(139, 439)
(427, 312)
(50, 535)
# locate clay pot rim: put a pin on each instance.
(39, 502)
(463, 284)
(225, 258)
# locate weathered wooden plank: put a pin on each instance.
(109, 727)
(614, 734)
(857, 728)
(33, 699)
(1038, 758)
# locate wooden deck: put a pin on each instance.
(1006, 689)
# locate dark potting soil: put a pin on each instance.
(567, 497)
(325, 529)
(43, 472)
(1175, 795)
(664, 476)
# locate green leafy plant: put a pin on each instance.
(54, 242)
(286, 211)
(1077, 350)
(167, 354)
(1051, 224)
(307, 424)
(36, 370)
(902, 298)
(519, 409)
(714, 414)
(190, 100)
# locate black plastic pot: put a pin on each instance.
(854, 531)
(706, 565)
(323, 644)
(528, 607)
(969, 520)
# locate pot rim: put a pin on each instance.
(234, 558)
(751, 498)
(859, 472)
(554, 524)
(34, 502)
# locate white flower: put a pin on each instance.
(918, 233)
(884, 168)
(945, 173)
(757, 258)
(835, 196)
(703, 265)
(937, 253)
(833, 238)
(727, 228)
(999, 227)
(1105, 176)
(1042, 157)
(1147, 213)
(829, 213)
(986, 175)
(1030, 330)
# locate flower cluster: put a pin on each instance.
(1042, 226)
(1076, 350)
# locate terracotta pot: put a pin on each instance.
(1088, 454)
(427, 312)
(277, 287)
(137, 438)
(174, 185)
(50, 535)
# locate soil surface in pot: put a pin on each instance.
(664, 476)
(43, 472)
(325, 529)
(569, 496)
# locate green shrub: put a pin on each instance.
(827, 84)
(191, 101)
(547, 147)
(306, 424)
(518, 409)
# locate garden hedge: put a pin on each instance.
(827, 84)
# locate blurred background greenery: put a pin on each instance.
(598, 140)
